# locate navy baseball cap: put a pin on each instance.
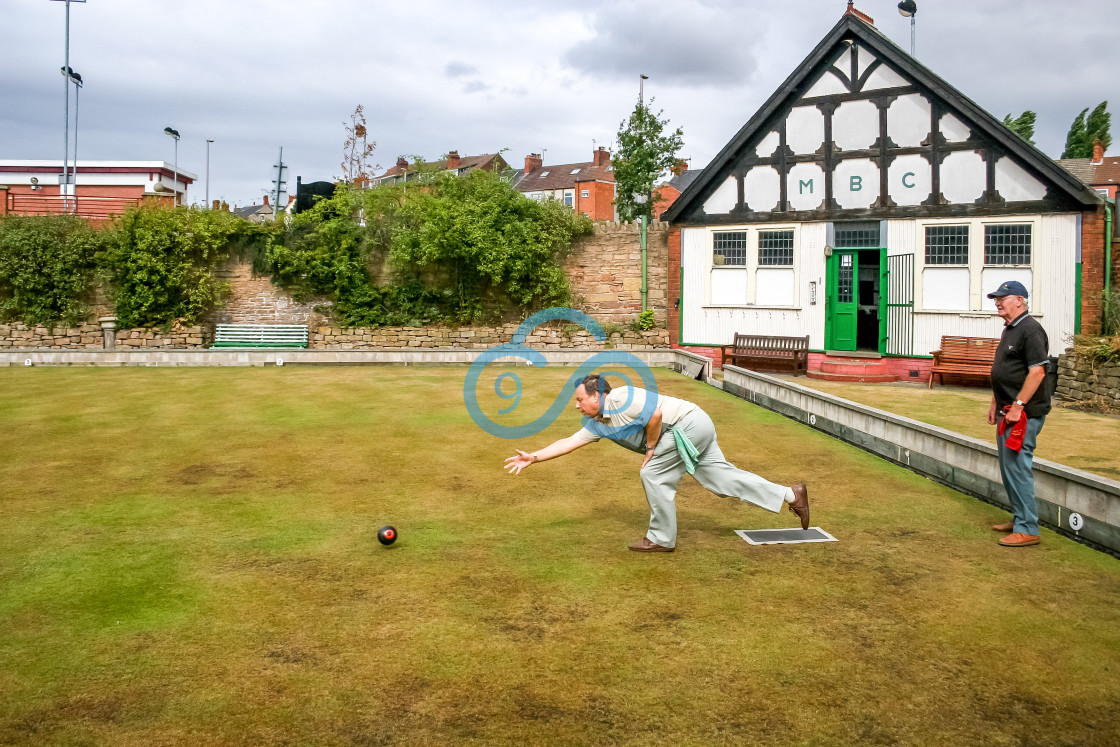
(1010, 288)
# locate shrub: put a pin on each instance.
(161, 263)
(47, 268)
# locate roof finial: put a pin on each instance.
(853, 11)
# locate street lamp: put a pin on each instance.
(642, 78)
(77, 81)
(66, 110)
(174, 134)
(909, 9)
(642, 199)
(208, 141)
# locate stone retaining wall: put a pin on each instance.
(476, 338)
(1080, 380)
(90, 336)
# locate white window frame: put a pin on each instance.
(978, 303)
(751, 267)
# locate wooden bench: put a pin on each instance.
(261, 336)
(768, 352)
(966, 357)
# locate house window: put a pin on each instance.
(1007, 244)
(729, 248)
(946, 245)
(543, 174)
(568, 198)
(574, 171)
(845, 280)
(584, 193)
(864, 234)
(775, 248)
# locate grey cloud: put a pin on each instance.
(459, 70)
(475, 86)
(684, 44)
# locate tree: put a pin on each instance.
(1023, 125)
(356, 149)
(644, 151)
(1087, 130)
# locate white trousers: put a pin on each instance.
(663, 474)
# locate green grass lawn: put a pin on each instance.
(1084, 440)
(189, 556)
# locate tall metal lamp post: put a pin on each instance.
(909, 9)
(64, 184)
(77, 81)
(174, 134)
(208, 141)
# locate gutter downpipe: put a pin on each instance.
(645, 260)
(1108, 251)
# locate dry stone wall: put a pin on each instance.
(605, 270)
(477, 338)
(90, 336)
(1080, 380)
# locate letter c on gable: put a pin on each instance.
(908, 186)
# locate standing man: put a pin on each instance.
(677, 437)
(1019, 406)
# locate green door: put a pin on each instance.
(843, 269)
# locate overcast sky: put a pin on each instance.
(479, 77)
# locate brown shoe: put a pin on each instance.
(800, 505)
(1008, 527)
(1018, 539)
(644, 545)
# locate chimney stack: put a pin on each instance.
(402, 163)
(453, 160)
(679, 167)
(601, 157)
(1098, 153)
(533, 161)
(266, 200)
(216, 205)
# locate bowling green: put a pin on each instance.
(189, 556)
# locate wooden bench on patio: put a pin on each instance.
(768, 352)
(261, 336)
(966, 357)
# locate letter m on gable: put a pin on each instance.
(801, 186)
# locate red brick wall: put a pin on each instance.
(1092, 270)
(674, 285)
(599, 203)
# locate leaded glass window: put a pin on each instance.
(857, 234)
(844, 284)
(729, 248)
(775, 248)
(946, 245)
(1007, 244)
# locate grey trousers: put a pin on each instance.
(663, 474)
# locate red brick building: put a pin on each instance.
(403, 170)
(586, 187)
(101, 188)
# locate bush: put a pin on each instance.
(161, 262)
(47, 268)
(460, 248)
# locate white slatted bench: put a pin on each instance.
(261, 336)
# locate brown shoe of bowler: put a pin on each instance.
(644, 545)
(1018, 539)
(800, 505)
(1008, 527)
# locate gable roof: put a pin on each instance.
(466, 163)
(1103, 174)
(560, 176)
(851, 28)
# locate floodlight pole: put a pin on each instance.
(208, 141)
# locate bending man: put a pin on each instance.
(677, 437)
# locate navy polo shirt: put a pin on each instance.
(1022, 346)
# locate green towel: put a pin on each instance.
(687, 451)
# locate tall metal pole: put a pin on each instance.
(175, 184)
(66, 127)
(208, 141)
(913, 18)
(77, 91)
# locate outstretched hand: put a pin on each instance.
(515, 464)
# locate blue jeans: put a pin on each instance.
(1018, 479)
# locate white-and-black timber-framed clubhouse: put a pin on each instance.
(871, 206)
